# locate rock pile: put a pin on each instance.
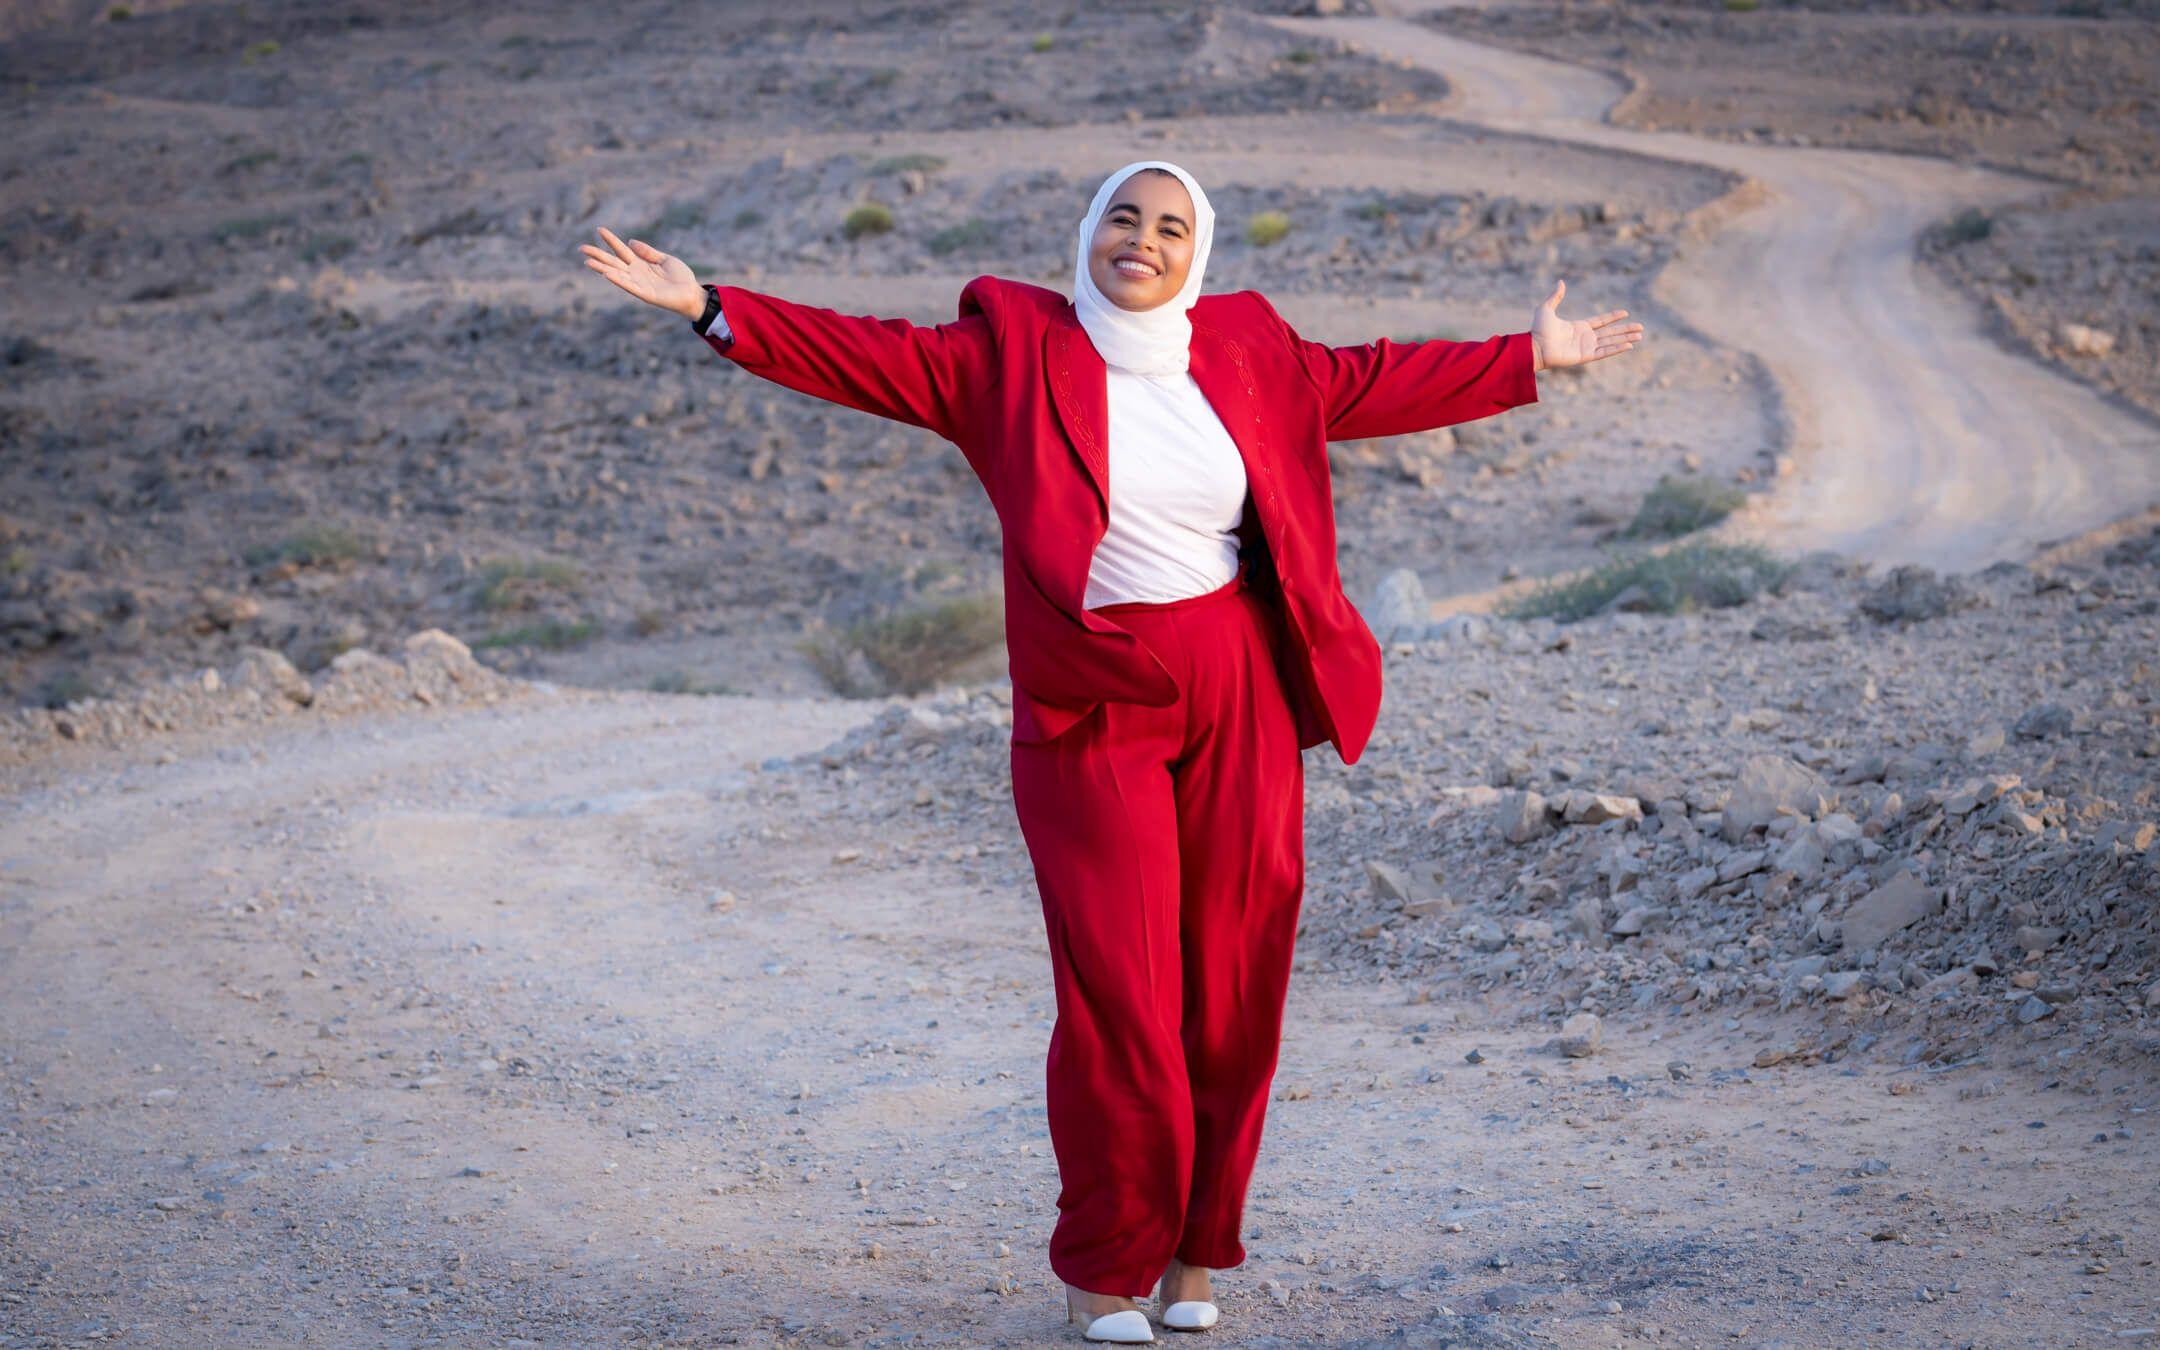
(433, 668)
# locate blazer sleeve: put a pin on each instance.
(1390, 388)
(928, 377)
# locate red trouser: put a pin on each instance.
(1168, 844)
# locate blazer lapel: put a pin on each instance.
(1080, 388)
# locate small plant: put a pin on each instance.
(746, 218)
(553, 634)
(1042, 42)
(868, 218)
(253, 159)
(247, 227)
(677, 216)
(119, 14)
(969, 234)
(68, 686)
(912, 163)
(519, 583)
(1266, 228)
(312, 546)
(15, 563)
(911, 651)
(258, 51)
(1691, 576)
(327, 247)
(1379, 209)
(1680, 505)
(683, 682)
(1301, 56)
(881, 77)
(1739, 6)
(1967, 226)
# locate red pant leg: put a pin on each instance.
(1240, 794)
(1096, 810)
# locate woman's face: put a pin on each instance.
(1149, 221)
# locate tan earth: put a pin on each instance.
(457, 1008)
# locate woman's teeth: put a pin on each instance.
(1133, 269)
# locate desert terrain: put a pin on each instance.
(441, 901)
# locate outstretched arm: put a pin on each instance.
(925, 376)
(1390, 388)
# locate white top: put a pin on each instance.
(1177, 494)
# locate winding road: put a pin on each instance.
(1914, 437)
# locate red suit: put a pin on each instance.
(1156, 773)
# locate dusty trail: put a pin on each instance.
(1914, 437)
(430, 1025)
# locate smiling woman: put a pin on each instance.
(1178, 633)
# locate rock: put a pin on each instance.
(1897, 904)
(1595, 808)
(1639, 920)
(1581, 1035)
(1483, 934)
(2033, 1008)
(1767, 786)
(2043, 722)
(1521, 817)
(2032, 939)
(1844, 984)
(2079, 339)
(1804, 857)
(1388, 882)
(1913, 593)
(268, 672)
(1399, 609)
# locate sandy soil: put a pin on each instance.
(384, 1001)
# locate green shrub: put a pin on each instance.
(253, 159)
(1968, 225)
(1691, 576)
(1680, 505)
(257, 51)
(1042, 42)
(683, 682)
(312, 546)
(247, 227)
(553, 634)
(975, 233)
(677, 216)
(746, 218)
(1739, 6)
(519, 583)
(912, 650)
(1266, 228)
(868, 218)
(1301, 56)
(327, 247)
(68, 686)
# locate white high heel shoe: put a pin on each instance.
(1126, 1326)
(1190, 1315)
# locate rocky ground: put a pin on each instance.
(438, 901)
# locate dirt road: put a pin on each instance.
(1914, 437)
(563, 1022)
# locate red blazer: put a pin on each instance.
(1016, 384)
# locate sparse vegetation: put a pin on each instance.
(327, 247)
(677, 216)
(520, 583)
(312, 545)
(1043, 42)
(247, 227)
(253, 159)
(1682, 504)
(1691, 576)
(553, 634)
(16, 562)
(917, 163)
(258, 51)
(746, 218)
(1301, 56)
(68, 686)
(1968, 226)
(1739, 6)
(867, 218)
(973, 233)
(911, 651)
(683, 682)
(1266, 228)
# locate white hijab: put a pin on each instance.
(1154, 341)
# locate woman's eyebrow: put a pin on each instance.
(1128, 206)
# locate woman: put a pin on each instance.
(1172, 652)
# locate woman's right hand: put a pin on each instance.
(652, 276)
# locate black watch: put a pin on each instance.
(703, 323)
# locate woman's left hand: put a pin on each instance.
(1575, 342)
